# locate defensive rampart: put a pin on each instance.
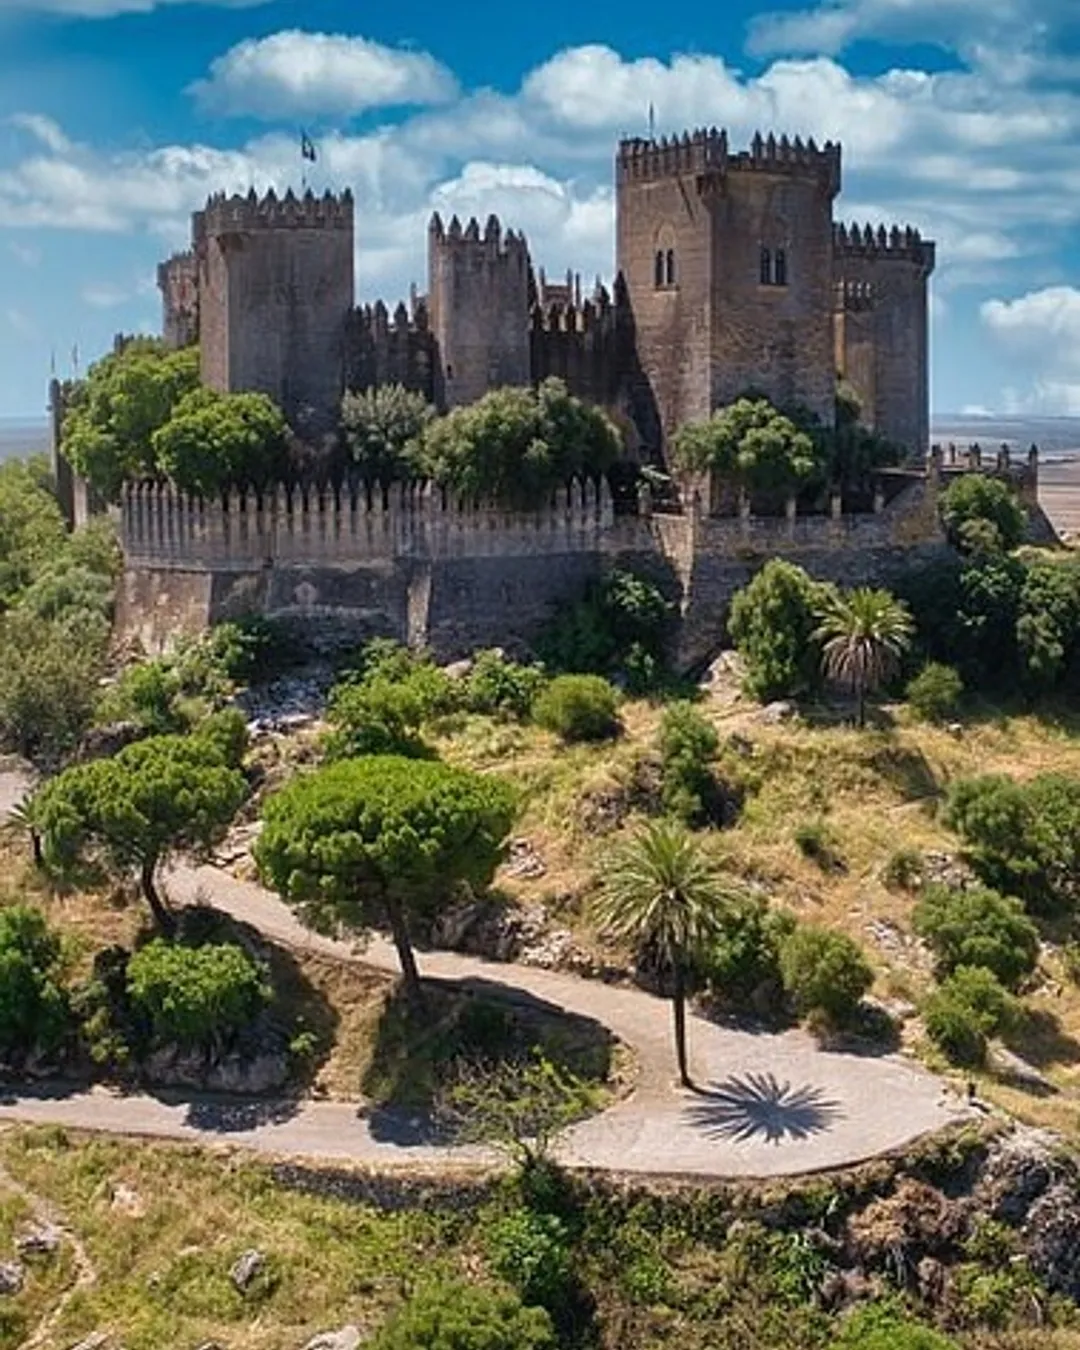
(415, 564)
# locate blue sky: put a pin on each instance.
(118, 117)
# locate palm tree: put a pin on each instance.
(660, 891)
(22, 817)
(864, 633)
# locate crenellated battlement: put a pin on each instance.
(230, 215)
(570, 316)
(378, 318)
(707, 151)
(896, 244)
(492, 241)
(178, 282)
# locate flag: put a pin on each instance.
(307, 147)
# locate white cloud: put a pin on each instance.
(317, 74)
(43, 129)
(1040, 331)
(106, 9)
(104, 295)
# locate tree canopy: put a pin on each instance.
(515, 446)
(863, 634)
(753, 445)
(215, 440)
(982, 515)
(773, 624)
(384, 430)
(31, 527)
(383, 839)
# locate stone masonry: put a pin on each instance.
(730, 275)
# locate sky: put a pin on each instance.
(119, 117)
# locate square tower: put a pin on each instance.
(275, 292)
(727, 261)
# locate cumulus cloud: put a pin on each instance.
(320, 74)
(1040, 331)
(43, 129)
(106, 9)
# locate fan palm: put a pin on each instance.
(863, 633)
(22, 817)
(660, 891)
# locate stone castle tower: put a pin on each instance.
(275, 287)
(731, 276)
(478, 298)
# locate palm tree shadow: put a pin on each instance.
(760, 1106)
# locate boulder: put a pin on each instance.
(348, 1338)
(1019, 1167)
(40, 1239)
(1017, 1070)
(12, 1275)
(1052, 1238)
(247, 1268)
(773, 714)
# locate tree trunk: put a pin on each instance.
(410, 975)
(860, 699)
(678, 1007)
(39, 851)
(163, 916)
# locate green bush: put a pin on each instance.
(620, 626)
(531, 1252)
(825, 973)
(934, 694)
(904, 870)
(887, 1327)
(688, 746)
(496, 686)
(742, 965)
(578, 708)
(34, 1010)
(1023, 838)
(816, 841)
(455, 1316)
(982, 515)
(751, 444)
(196, 997)
(978, 927)
(384, 715)
(966, 1009)
(773, 624)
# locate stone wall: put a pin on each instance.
(417, 566)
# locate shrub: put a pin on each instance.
(742, 965)
(816, 841)
(195, 997)
(978, 927)
(1023, 838)
(824, 972)
(497, 686)
(531, 1252)
(968, 1007)
(982, 515)
(934, 694)
(1048, 625)
(904, 870)
(34, 1012)
(887, 1327)
(455, 1316)
(621, 626)
(383, 715)
(773, 622)
(688, 745)
(384, 431)
(578, 708)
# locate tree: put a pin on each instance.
(863, 635)
(1048, 624)
(773, 624)
(34, 1010)
(454, 1316)
(578, 708)
(213, 441)
(978, 927)
(135, 809)
(113, 413)
(824, 972)
(688, 746)
(1023, 838)
(32, 529)
(982, 515)
(515, 446)
(752, 444)
(383, 839)
(196, 997)
(934, 694)
(661, 893)
(384, 430)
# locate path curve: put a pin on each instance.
(773, 1105)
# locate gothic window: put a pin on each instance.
(765, 267)
(780, 268)
(669, 267)
(658, 269)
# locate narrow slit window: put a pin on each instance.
(658, 270)
(765, 267)
(669, 267)
(780, 267)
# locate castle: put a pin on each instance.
(730, 275)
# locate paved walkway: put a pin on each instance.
(770, 1105)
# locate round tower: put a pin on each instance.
(275, 281)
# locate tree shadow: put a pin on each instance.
(1039, 1037)
(468, 1023)
(233, 1115)
(760, 1106)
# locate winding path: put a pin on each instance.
(770, 1105)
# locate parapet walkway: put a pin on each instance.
(769, 1105)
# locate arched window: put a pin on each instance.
(765, 268)
(658, 269)
(669, 267)
(780, 267)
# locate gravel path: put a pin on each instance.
(769, 1105)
